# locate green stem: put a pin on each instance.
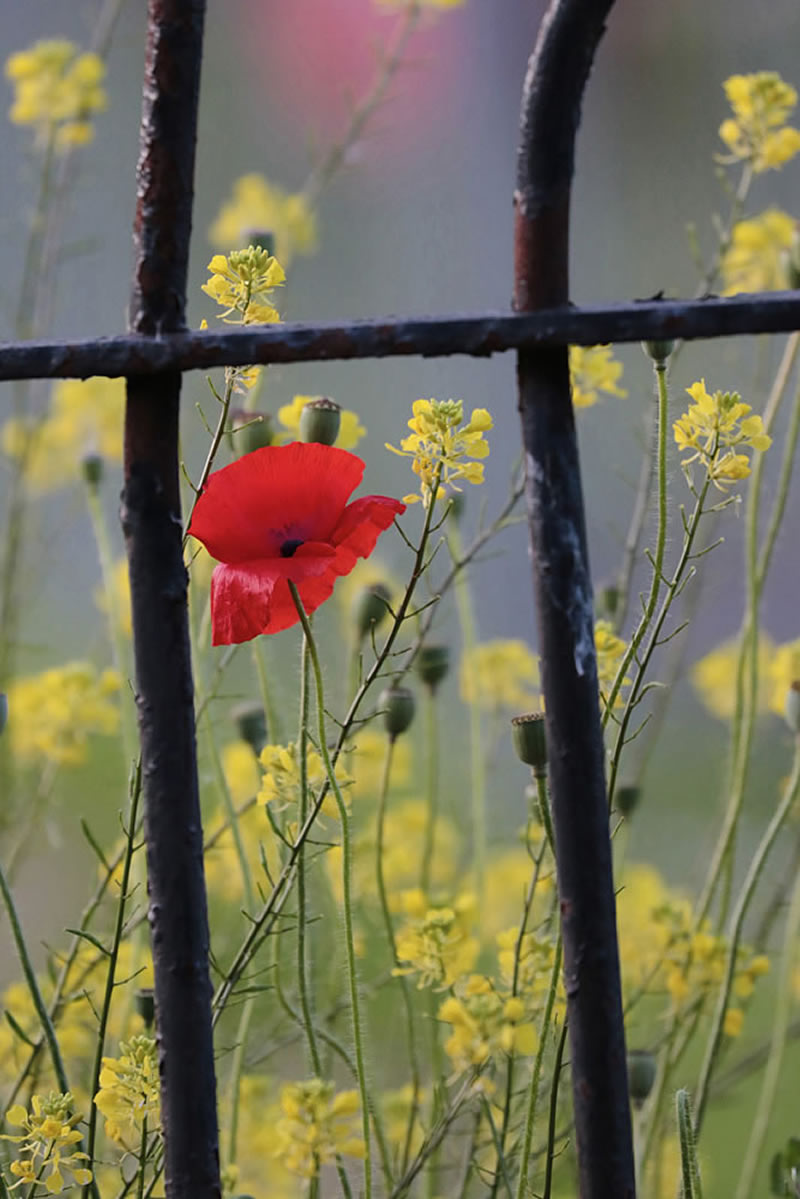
(734, 935)
(142, 1159)
(431, 788)
(551, 1121)
(523, 1189)
(344, 817)
(302, 963)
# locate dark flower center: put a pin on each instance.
(288, 548)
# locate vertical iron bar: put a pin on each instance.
(554, 84)
(151, 517)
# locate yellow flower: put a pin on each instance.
(84, 417)
(257, 205)
(610, 651)
(757, 133)
(350, 431)
(243, 284)
(120, 601)
(240, 767)
(783, 670)
(439, 445)
(734, 1020)
(129, 1092)
(49, 1129)
(317, 1124)
(484, 1025)
(712, 426)
(258, 1114)
(52, 714)
(501, 674)
(281, 782)
(56, 90)
(437, 947)
(756, 258)
(714, 677)
(593, 369)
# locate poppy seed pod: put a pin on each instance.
(92, 469)
(433, 663)
(3, 710)
(609, 601)
(792, 708)
(251, 725)
(397, 704)
(253, 430)
(626, 798)
(145, 1002)
(528, 735)
(641, 1074)
(370, 607)
(320, 421)
(262, 239)
(659, 351)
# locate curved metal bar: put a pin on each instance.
(553, 90)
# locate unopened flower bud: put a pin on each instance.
(251, 725)
(398, 709)
(433, 663)
(609, 601)
(659, 351)
(528, 735)
(641, 1074)
(253, 430)
(92, 469)
(3, 710)
(792, 708)
(320, 421)
(626, 798)
(262, 239)
(371, 607)
(145, 1001)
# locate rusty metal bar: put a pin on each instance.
(554, 85)
(151, 518)
(479, 335)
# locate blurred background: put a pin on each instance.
(419, 221)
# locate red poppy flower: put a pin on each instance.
(281, 514)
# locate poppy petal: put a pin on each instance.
(363, 521)
(248, 598)
(276, 494)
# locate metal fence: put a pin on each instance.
(153, 355)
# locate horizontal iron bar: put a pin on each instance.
(431, 337)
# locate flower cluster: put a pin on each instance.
(757, 257)
(242, 283)
(610, 650)
(316, 1126)
(255, 205)
(484, 1023)
(441, 445)
(280, 785)
(57, 90)
(129, 1091)
(52, 714)
(49, 1129)
(350, 430)
(712, 427)
(593, 369)
(757, 132)
(435, 944)
(500, 674)
(714, 676)
(84, 419)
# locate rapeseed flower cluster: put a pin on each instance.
(435, 944)
(712, 427)
(441, 446)
(53, 714)
(593, 369)
(484, 1024)
(350, 430)
(84, 418)
(714, 676)
(129, 1092)
(499, 675)
(242, 283)
(57, 89)
(49, 1129)
(757, 257)
(757, 132)
(281, 784)
(256, 204)
(316, 1126)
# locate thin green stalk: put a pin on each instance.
(551, 1122)
(142, 1159)
(431, 787)
(477, 752)
(734, 935)
(344, 817)
(413, 1057)
(523, 1189)
(437, 1077)
(780, 1029)
(302, 960)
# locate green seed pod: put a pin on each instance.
(433, 663)
(251, 725)
(320, 421)
(641, 1074)
(659, 351)
(609, 601)
(398, 705)
(253, 430)
(92, 466)
(530, 742)
(262, 239)
(370, 608)
(145, 1002)
(626, 798)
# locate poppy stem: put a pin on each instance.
(346, 887)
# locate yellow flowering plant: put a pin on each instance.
(443, 449)
(711, 429)
(57, 91)
(757, 133)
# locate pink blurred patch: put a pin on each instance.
(315, 58)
